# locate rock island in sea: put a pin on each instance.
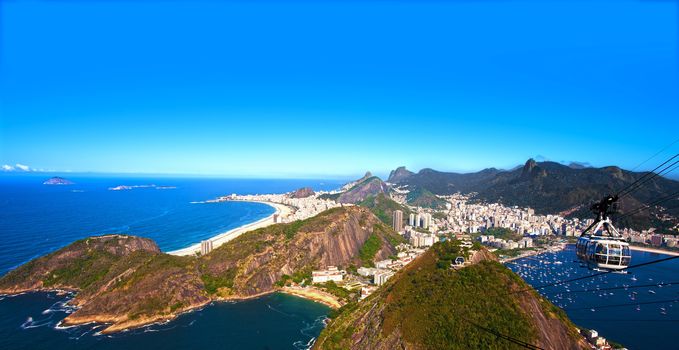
(58, 181)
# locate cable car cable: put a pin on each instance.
(647, 174)
(638, 184)
(671, 196)
(668, 169)
(624, 304)
(614, 288)
(653, 156)
(505, 337)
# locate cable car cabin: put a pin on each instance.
(604, 253)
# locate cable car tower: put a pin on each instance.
(600, 246)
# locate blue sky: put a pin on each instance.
(293, 89)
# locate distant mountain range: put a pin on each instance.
(548, 187)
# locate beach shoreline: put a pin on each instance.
(280, 209)
(653, 250)
(313, 294)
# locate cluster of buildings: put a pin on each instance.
(422, 220)
(421, 239)
(490, 240)
(463, 216)
(303, 207)
(369, 278)
(649, 237)
(597, 342)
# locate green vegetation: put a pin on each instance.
(383, 207)
(504, 233)
(340, 292)
(512, 252)
(431, 306)
(421, 197)
(367, 252)
(447, 252)
(330, 196)
(214, 283)
(387, 232)
(84, 272)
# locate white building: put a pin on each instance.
(331, 274)
(383, 264)
(382, 276)
(366, 271)
(205, 247)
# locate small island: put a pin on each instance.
(58, 181)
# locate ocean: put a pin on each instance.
(36, 219)
(638, 309)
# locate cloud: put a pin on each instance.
(23, 167)
(18, 167)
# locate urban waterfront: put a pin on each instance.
(638, 309)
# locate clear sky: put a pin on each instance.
(307, 88)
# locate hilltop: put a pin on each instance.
(362, 188)
(428, 305)
(125, 281)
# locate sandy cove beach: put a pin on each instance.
(282, 211)
(313, 294)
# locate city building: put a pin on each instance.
(205, 247)
(382, 276)
(398, 221)
(411, 219)
(330, 274)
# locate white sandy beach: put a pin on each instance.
(282, 211)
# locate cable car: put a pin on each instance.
(603, 248)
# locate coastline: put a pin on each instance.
(280, 209)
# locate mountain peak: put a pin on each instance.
(399, 174)
(528, 168)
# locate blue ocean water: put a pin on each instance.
(642, 314)
(275, 321)
(36, 219)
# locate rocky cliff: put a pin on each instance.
(126, 281)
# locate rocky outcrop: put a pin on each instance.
(61, 269)
(127, 282)
(399, 174)
(302, 193)
(58, 181)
